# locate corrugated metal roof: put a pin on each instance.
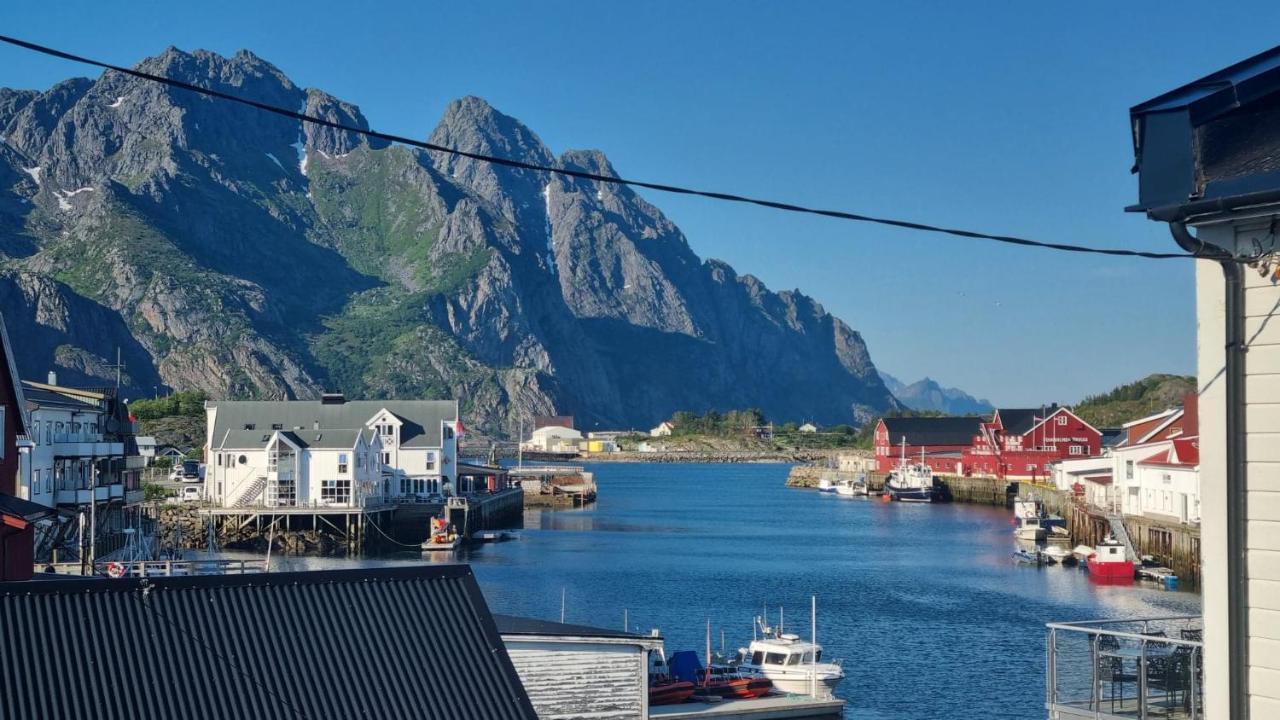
(381, 643)
(421, 428)
(932, 430)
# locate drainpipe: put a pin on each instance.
(1237, 446)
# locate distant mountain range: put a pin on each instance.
(225, 249)
(927, 394)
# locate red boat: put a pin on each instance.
(1109, 562)
(727, 683)
(670, 692)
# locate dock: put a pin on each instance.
(554, 485)
(790, 707)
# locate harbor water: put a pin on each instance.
(923, 604)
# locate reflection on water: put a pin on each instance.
(923, 603)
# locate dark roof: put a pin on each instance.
(932, 430)
(1017, 421)
(48, 398)
(513, 625)
(23, 509)
(421, 428)
(541, 421)
(11, 369)
(1209, 146)
(414, 642)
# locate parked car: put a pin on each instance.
(191, 471)
(190, 493)
(175, 475)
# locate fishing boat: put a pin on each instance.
(1109, 561)
(826, 484)
(1028, 516)
(443, 537)
(910, 482)
(791, 664)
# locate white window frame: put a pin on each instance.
(1062, 419)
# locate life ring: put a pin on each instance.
(115, 570)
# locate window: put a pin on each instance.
(431, 461)
(448, 433)
(335, 491)
(35, 480)
(218, 461)
(277, 426)
(757, 657)
(242, 460)
(1076, 450)
(342, 463)
(1031, 467)
(1166, 478)
(1062, 419)
(250, 426)
(775, 659)
(1128, 469)
(386, 458)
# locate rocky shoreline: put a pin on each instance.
(715, 456)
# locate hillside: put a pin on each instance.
(242, 254)
(1137, 399)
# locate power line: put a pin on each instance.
(661, 187)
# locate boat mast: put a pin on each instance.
(813, 637)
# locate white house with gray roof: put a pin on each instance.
(329, 452)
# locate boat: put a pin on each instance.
(1028, 515)
(910, 482)
(825, 484)
(717, 680)
(663, 688)
(1060, 554)
(1109, 561)
(1027, 557)
(443, 537)
(791, 664)
(1082, 552)
(851, 488)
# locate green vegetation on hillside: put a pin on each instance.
(1137, 399)
(744, 429)
(181, 404)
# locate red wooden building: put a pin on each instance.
(1021, 443)
(942, 440)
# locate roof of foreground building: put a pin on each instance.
(386, 643)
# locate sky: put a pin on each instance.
(1003, 117)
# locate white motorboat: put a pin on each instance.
(826, 484)
(850, 488)
(794, 665)
(1029, 515)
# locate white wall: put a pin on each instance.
(567, 679)
(1162, 491)
(1262, 397)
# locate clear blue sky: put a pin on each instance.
(1005, 117)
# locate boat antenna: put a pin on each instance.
(708, 675)
(780, 624)
(562, 595)
(626, 621)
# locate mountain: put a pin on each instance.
(225, 249)
(1147, 396)
(927, 394)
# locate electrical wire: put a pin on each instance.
(661, 187)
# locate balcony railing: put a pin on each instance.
(1113, 669)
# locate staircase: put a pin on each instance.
(1122, 534)
(251, 493)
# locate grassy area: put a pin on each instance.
(1137, 399)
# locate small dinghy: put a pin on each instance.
(1027, 557)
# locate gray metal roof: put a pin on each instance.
(513, 625)
(332, 439)
(422, 418)
(48, 398)
(383, 643)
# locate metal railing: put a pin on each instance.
(161, 568)
(1133, 668)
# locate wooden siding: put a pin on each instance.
(570, 681)
(1262, 423)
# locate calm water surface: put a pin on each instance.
(922, 602)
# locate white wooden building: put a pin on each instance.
(329, 452)
(574, 672)
(663, 429)
(1205, 154)
(553, 438)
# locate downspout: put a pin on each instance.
(1237, 455)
